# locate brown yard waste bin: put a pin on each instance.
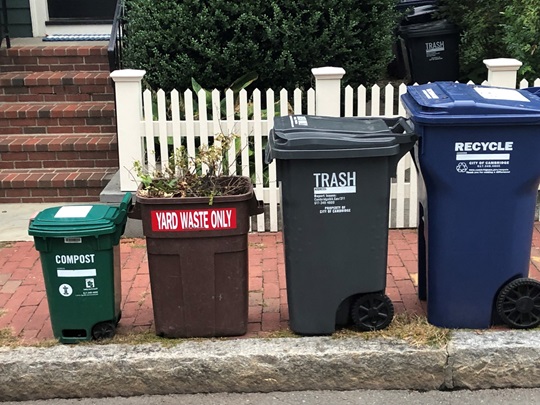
(198, 262)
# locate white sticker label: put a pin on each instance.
(72, 240)
(298, 121)
(76, 273)
(483, 157)
(75, 211)
(429, 93)
(492, 93)
(331, 189)
(433, 50)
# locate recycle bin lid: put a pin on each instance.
(75, 220)
(458, 103)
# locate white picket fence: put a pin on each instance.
(142, 121)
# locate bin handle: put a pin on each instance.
(124, 207)
(255, 206)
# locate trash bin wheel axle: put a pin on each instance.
(372, 312)
(518, 303)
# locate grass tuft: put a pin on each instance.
(7, 338)
(138, 338)
(411, 328)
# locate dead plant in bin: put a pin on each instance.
(204, 175)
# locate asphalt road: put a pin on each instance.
(491, 397)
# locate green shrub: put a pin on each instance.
(217, 41)
(482, 32)
(522, 35)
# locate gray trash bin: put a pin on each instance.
(334, 176)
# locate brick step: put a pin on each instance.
(54, 58)
(58, 151)
(53, 185)
(55, 86)
(57, 118)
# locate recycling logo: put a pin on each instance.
(462, 167)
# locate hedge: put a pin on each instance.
(217, 41)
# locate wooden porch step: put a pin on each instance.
(50, 86)
(58, 151)
(57, 118)
(54, 58)
(53, 185)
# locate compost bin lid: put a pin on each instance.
(315, 137)
(458, 103)
(79, 220)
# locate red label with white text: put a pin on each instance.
(193, 220)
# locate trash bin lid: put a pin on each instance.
(79, 220)
(420, 14)
(457, 103)
(404, 4)
(426, 29)
(315, 137)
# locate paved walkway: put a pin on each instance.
(23, 302)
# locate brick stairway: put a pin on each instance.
(57, 124)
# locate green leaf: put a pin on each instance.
(243, 81)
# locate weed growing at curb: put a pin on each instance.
(140, 338)
(7, 338)
(413, 329)
(283, 333)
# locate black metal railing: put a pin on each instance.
(4, 28)
(114, 49)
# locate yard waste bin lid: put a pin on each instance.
(80, 220)
(315, 137)
(457, 103)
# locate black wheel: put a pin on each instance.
(104, 330)
(518, 303)
(372, 312)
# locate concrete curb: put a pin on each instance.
(471, 360)
(481, 360)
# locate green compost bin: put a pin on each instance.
(80, 258)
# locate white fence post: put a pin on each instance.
(129, 116)
(502, 72)
(328, 90)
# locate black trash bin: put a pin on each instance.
(334, 176)
(430, 51)
(423, 13)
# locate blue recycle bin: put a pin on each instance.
(478, 157)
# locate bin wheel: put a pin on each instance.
(518, 303)
(104, 330)
(372, 312)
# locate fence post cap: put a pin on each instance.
(328, 73)
(125, 75)
(500, 64)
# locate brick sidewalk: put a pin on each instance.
(23, 303)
